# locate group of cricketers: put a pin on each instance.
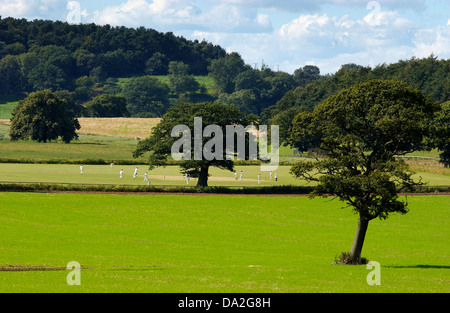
(187, 177)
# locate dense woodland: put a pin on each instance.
(83, 64)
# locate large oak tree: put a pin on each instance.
(159, 145)
(360, 131)
(43, 116)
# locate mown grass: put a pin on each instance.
(170, 175)
(87, 147)
(104, 174)
(132, 243)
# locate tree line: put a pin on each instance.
(37, 55)
(85, 62)
(429, 75)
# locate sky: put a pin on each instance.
(281, 34)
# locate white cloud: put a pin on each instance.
(327, 41)
(172, 15)
(142, 13)
(433, 41)
(311, 5)
(16, 8)
(32, 9)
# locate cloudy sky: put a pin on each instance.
(284, 34)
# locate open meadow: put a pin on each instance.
(114, 139)
(167, 243)
(165, 176)
(198, 243)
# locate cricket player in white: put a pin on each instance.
(135, 173)
(146, 177)
(81, 169)
(259, 178)
(240, 177)
(187, 179)
(121, 174)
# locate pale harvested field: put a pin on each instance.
(113, 127)
(118, 127)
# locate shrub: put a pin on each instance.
(347, 259)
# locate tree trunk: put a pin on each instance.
(360, 234)
(203, 177)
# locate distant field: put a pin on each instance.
(118, 127)
(6, 109)
(112, 127)
(133, 243)
(206, 81)
(107, 139)
(104, 174)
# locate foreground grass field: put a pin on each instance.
(164, 243)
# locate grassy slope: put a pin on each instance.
(206, 81)
(108, 139)
(216, 244)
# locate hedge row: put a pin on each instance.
(169, 189)
(287, 189)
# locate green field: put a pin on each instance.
(88, 147)
(191, 243)
(104, 174)
(7, 104)
(206, 81)
(6, 109)
(166, 243)
(91, 144)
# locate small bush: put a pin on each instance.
(347, 259)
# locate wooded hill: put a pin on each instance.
(83, 62)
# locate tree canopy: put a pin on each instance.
(441, 133)
(107, 106)
(430, 75)
(225, 70)
(160, 143)
(90, 59)
(43, 116)
(146, 94)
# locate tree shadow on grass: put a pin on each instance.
(422, 266)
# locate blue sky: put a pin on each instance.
(284, 34)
